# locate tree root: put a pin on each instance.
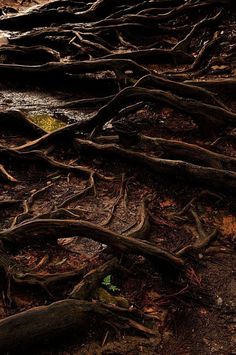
(24, 276)
(182, 150)
(193, 153)
(21, 215)
(45, 324)
(183, 44)
(77, 195)
(63, 133)
(40, 228)
(55, 70)
(204, 239)
(181, 89)
(116, 203)
(8, 178)
(221, 85)
(153, 55)
(92, 280)
(27, 204)
(223, 179)
(38, 155)
(206, 116)
(16, 119)
(189, 205)
(95, 101)
(143, 227)
(35, 55)
(103, 42)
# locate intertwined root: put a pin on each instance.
(129, 48)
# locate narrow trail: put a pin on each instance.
(118, 177)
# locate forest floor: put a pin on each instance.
(114, 175)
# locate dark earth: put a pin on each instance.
(118, 177)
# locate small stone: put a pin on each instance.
(127, 72)
(219, 301)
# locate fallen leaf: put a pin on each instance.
(167, 203)
(219, 67)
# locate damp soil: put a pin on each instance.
(194, 313)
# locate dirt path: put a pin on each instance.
(118, 178)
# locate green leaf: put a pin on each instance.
(107, 282)
(113, 288)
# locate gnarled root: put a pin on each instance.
(44, 324)
(41, 228)
(213, 177)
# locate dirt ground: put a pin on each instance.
(193, 311)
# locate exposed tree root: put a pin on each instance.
(143, 227)
(16, 119)
(224, 179)
(202, 242)
(76, 196)
(156, 53)
(27, 204)
(178, 88)
(190, 204)
(48, 323)
(217, 85)
(182, 150)
(153, 55)
(116, 203)
(38, 155)
(24, 276)
(183, 44)
(206, 116)
(92, 280)
(33, 55)
(40, 228)
(191, 152)
(6, 176)
(56, 70)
